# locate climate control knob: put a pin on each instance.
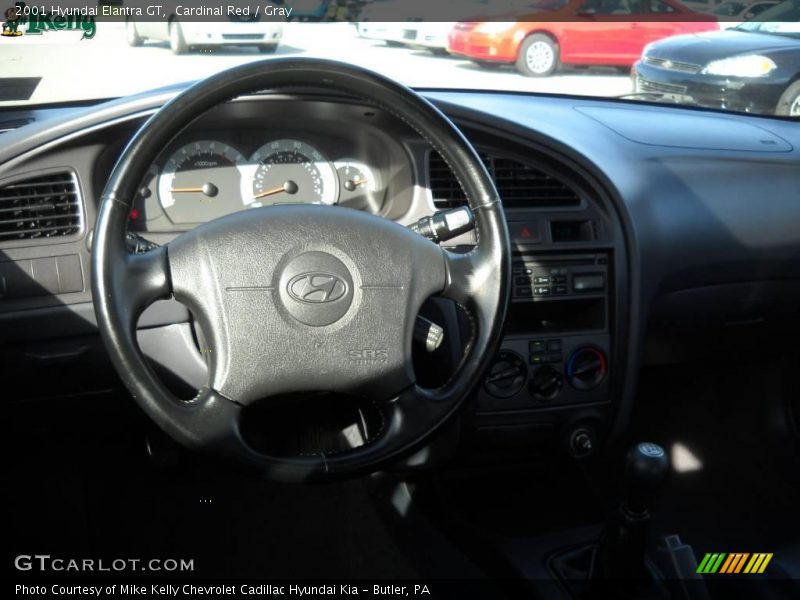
(506, 376)
(586, 368)
(546, 384)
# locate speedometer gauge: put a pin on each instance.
(290, 172)
(201, 181)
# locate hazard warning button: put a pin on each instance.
(525, 232)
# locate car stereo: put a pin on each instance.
(559, 277)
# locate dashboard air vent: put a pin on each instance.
(45, 206)
(12, 124)
(520, 185)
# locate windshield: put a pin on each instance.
(783, 18)
(730, 9)
(648, 50)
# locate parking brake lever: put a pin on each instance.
(446, 224)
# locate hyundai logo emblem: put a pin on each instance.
(649, 449)
(316, 288)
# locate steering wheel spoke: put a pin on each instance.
(463, 276)
(135, 280)
(146, 278)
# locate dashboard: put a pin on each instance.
(630, 224)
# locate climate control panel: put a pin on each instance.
(536, 372)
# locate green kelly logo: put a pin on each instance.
(38, 21)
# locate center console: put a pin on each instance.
(551, 385)
(557, 346)
(556, 382)
(550, 382)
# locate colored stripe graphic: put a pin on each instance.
(717, 563)
(734, 562)
(727, 564)
(740, 563)
(703, 563)
(755, 561)
(758, 563)
(711, 562)
(735, 557)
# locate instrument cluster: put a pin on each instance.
(207, 178)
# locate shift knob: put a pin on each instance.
(646, 469)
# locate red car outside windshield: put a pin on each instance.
(607, 32)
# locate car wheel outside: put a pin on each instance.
(789, 104)
(131, 35)
(177, 43)
(538, 56)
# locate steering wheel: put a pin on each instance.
(300, 298)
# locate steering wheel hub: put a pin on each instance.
(316, 288)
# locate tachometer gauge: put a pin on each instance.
(358, 184)
(201, 181)
(290, 172)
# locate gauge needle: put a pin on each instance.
(290, 187)
(209, 189)
(351, 184)
(266, 193)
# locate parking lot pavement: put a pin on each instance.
(106, 66)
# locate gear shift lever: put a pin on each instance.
(646, 470)
(621, 549)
